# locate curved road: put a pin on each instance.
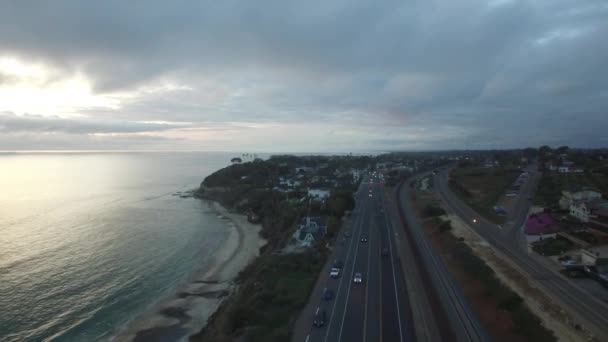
(584, 306)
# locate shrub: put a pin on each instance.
(445, 226)
(432, 210)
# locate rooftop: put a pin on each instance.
(540, 223)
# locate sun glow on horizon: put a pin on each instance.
(29, 88)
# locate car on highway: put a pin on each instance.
(319, 318)
(334, 273)
(358, 278)
(363, 238)
(338, 264)
(328, 295)
(384, 252)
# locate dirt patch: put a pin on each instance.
(490, 309)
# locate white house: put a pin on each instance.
(569, 169)
(310, 230)
(583, 210)
(570, 197)
(318, 194)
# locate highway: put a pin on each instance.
(377, 309)
(590, 312)
(455, 319)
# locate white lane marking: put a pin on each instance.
(307, 337)
(356, 227)
(352, 272)
(316, 312)
(390, 248)
(369, 253)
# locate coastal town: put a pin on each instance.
(306, 207)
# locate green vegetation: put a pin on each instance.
(552, 246)
(445, 226)
(481, 188)
(275, 287)
(271, 290)
(525, 322)
(551, 185)
(432, 210)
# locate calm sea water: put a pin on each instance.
(88, 241)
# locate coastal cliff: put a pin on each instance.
(273, 289)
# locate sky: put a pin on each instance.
(303, 76)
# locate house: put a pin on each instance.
(311, 229)
(540, 225)
(490, 163)
(569, 197)
(584, 210)
(318, 194)
(569, 169)
(304, 169)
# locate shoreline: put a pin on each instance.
(186, 311)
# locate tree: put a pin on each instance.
(236, 160)
(562, 149)
(445, 226)
(529, 152)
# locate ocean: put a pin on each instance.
(90, 240)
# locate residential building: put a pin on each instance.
(311, 229)
(539, 226)
(318, 194)
(569, 197)
(584, 210)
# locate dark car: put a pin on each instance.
(319, 319)
(384, 252)
(363, 238)
(328, 295)
(338, 264)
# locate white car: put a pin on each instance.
(334, 273)
(358, 278)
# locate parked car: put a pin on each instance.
(334, 273)
(319, 319)
(358, 278)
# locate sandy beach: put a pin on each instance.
(186, 312)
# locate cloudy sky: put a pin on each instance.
(303, 75)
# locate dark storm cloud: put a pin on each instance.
(493, 73)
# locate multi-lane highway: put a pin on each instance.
(455, 319)
(588, 310)
(377, 309)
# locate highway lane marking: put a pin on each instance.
(369, 249)
(390, 248)
(316, 312)
(357, 227)
(307, 337)
(352, 272)
(448, 288)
